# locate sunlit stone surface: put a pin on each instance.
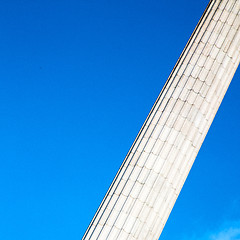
(143, 193)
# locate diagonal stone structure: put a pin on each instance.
(143, 193)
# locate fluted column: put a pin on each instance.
(143, 193)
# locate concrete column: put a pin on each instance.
(143, 193)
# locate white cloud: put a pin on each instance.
(228, 231)
(232, 233)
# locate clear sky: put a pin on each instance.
(78, 79)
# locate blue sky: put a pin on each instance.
(78, 79)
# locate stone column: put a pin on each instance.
(143, 193)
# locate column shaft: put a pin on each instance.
(150, 179)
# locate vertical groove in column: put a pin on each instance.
(147, 184)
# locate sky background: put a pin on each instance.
(78, 79)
